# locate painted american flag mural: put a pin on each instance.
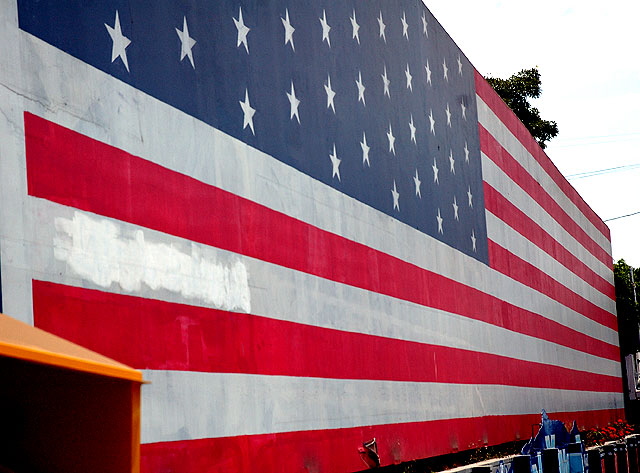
(310, 223)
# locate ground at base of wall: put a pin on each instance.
(593, 437)
(454, 460)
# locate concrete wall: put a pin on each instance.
(285, 312)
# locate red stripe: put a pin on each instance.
(502, 208)
(335, 451)
(520, 176)
(152, 334)
(515, 126)
(522, 271)
(72, 169)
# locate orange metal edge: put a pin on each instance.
(135, 428)
(70, 362)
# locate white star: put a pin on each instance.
(243, 31)
(464, 109)
(412, 128)
(428, 73)
(396, 196)
(405, 26)
(120, 42)
(330, 94)
(335, 163)
(448, 112)
(407, 73)
(424, 25)
(417, 182)
(248, 112)
(386, 82)
(186, 42)
(455, 208)
(392, 141)
(382, 28)
(452, 162)
(445, 69)
(294, 102)
(459, 65)
(473, 239)
(470, 197)
(365, 150)
(466, 152)
(361, 88)
(435, 171)
(432, 123)
(439, 219)
(288, 30)
(325, 28)
(355, 26)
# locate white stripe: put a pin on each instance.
(96, 249)
(284, 294)
(179, 142)
(507, 237)
(187, 405)
(497, 179)
(510, 143)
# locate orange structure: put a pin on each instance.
(64, 408)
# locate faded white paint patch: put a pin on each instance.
(98, 250)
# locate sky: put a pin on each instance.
(587, 53)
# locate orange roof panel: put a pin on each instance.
(20, 340)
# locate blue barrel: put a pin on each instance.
(576, 463)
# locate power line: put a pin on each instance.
(593, 137)
(621, 216)
(582, 175)
(596, 140)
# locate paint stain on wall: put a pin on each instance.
(98, 250)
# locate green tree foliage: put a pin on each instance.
(626, 306)
(516, 92)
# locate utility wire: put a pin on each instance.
(594, 137)
(621, 216)
(582, 175)
(596, 140)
